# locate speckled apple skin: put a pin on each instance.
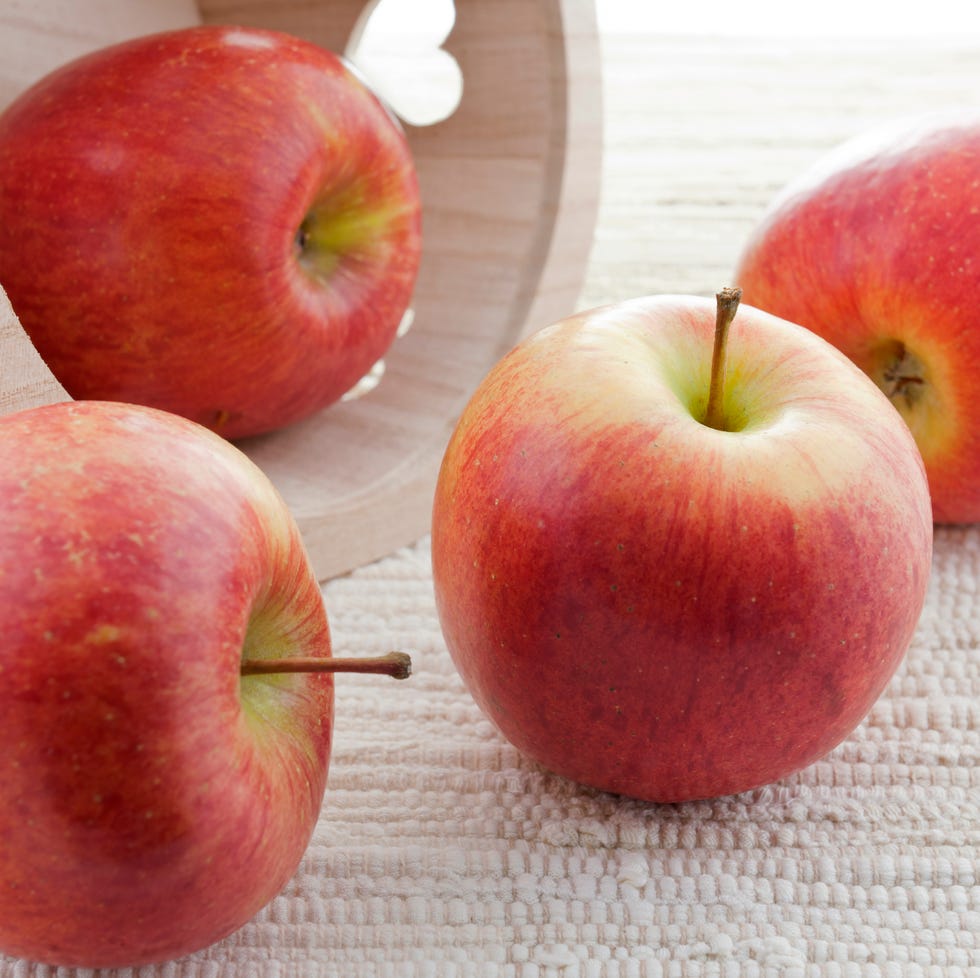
(153, 801)
(875, 245)
(656, 608)
(151, 200)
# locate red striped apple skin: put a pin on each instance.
(153, 799)
(658, 608)
(221, 222)
(874, 249)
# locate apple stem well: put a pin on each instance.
(398, 665)
(727, 304)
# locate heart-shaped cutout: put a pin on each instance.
(399, 51)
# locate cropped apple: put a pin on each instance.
(163, 763)
(668, 595)
(222, 222)
(875, 249)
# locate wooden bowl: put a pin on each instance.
(510, 183)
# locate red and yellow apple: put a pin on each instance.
(875, 249)
(664, 600)
(221, 222)
(162, 768)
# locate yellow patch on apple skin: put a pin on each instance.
(103, 634)
(266, 704)
(346, 225)
(271, 703)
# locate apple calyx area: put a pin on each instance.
(727, 305)
(398, 665)
(900, 373)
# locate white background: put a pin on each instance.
(855, 18)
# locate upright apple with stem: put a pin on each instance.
(676, 562)
(166, 685)
(223, 222)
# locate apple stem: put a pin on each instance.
(727, 303)
(398, 665)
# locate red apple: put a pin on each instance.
(221, 222)
(669, 600)
(158, 787)
(875, 249)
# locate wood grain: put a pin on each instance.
(38, 36)
(27, 382)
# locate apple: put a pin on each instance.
(163, 763)
(670, 596)
(875, 249)
(222, 222)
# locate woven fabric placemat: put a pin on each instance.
(442, 852)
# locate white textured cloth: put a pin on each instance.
(441, 852)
